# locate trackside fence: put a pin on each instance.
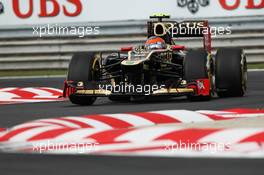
(20, 49)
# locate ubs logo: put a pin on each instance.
(193, 5)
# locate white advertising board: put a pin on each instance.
(20, 12)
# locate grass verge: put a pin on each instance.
(15, 73)
(63, 72)
(256, 66)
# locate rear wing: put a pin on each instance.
(169, 30)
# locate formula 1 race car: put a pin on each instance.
(158, 68)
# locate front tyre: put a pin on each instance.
(195, 68)
(82, 100)
(84, 67)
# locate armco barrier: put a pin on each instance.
(20, 49)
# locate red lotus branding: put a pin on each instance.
(57, 8)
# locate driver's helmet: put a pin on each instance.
(155, 42)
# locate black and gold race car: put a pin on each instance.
(158, 68)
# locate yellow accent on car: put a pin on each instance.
(157, 92)
(160, 15)
(94, 92)
(173, 91)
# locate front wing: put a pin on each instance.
(200, 87)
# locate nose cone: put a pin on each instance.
(131, 62)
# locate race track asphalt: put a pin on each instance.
(11, 115)
(108, 165)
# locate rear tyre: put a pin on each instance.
(195, 68)
(231, 73)
(82, 68)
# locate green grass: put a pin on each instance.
(256, 66)
(11, 73)
(62, 72)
